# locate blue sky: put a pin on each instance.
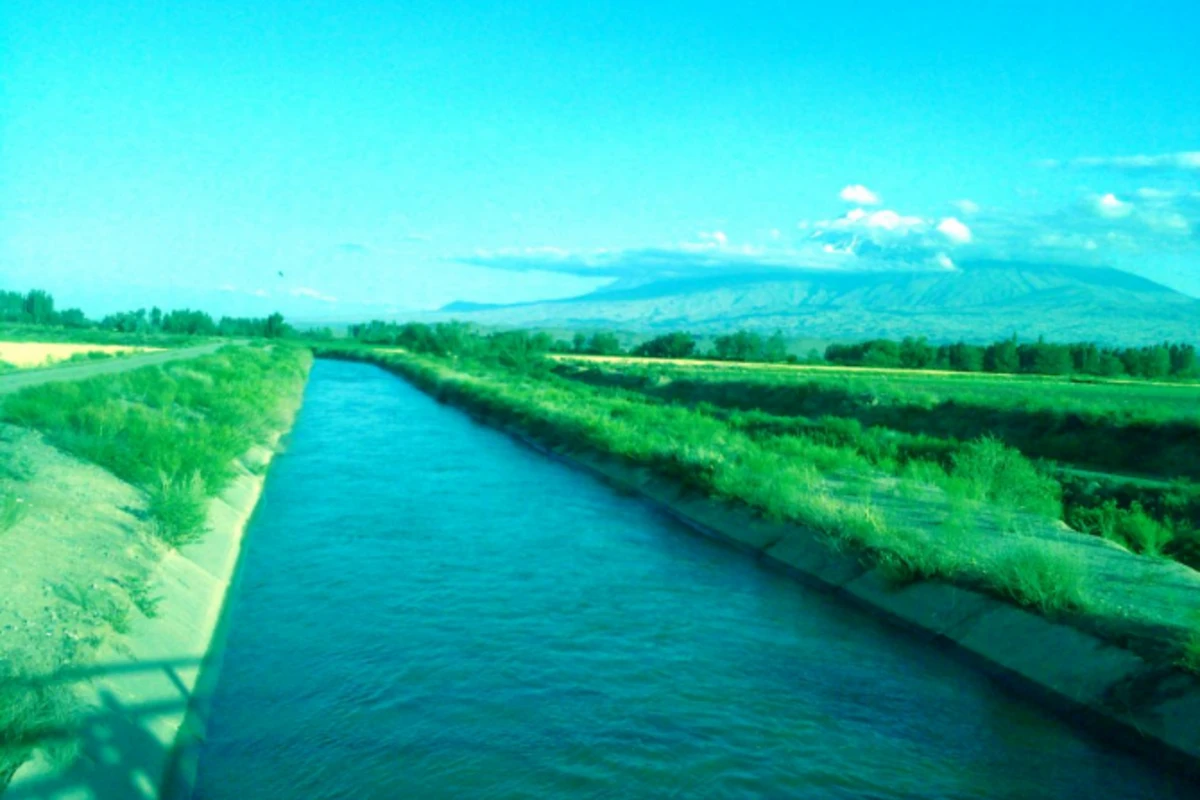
(398, 156)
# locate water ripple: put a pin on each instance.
(430, 610)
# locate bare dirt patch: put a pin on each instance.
(68, 563)
(75, 572)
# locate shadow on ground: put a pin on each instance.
(119, 746)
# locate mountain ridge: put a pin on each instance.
(980, 301)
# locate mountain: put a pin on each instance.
(979, 301)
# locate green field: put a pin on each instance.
(1126, 453)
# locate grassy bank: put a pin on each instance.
(172, 431)
(1134, 428)
(17, 332)
(1085, 435)
(157, 443)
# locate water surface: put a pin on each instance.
(428, 609)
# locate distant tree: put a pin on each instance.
(579, 343)
(882, 353)
(1157, 362)
(604, 344)
(739, 346)
(669, 345)
(73, 318)
(916, 353)
(1110, 365)
(275, 326)
(12, 306)
(1085, 358)
(1044, 358)
(183, 321)
(1184, 363)
(1002, 357)
(774, 348)
(964, 357)
(39, 307)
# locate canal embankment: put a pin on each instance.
(123, 562)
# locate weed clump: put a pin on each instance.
(1044, 577)
(988, 470)
(141, 595)
(178, 508)
(1131, 527)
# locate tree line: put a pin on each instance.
(1167, 360)
(1009, 356)
(457, 338)
(36, 307)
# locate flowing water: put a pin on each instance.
(429, 609)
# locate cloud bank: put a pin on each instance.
(1124, 228)
(1184, 160)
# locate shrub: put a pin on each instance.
(1132, 527)
(178, 508)
(987, 469)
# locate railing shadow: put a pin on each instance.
(115, 753)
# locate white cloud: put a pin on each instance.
(857, 193)
(1184, 160)
(1167, 222)
(967, 206)
(891, 221)
(884, 221)
(1112, 207)
(954, 230)
(313, 294)
(718, 237)
(230, 288)
(878, 236)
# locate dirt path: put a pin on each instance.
(16, 381)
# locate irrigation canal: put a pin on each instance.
(429, 609)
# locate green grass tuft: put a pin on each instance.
(1131, 527)
(178, 508)
(141, 594)
(1039, 575)
(989, 471)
